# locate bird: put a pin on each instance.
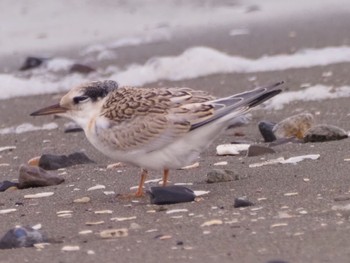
(160, 128)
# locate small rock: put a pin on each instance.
(171, 195)
(342, 198)
(231, 149)
(324, 132)
(70, 248)
(242, 202)
(114, 233)
(96, 187)
(294, 126)
(221, 175)
(32, 62)
(6, 185)
(38, 195)
(33, 176)
(265, 128)
(213, 222)
(54, 162)
(277, 261)
(84, 199)
(256, 150)
(72, 127)
(80, 68)
(22, 237)
(34, 161)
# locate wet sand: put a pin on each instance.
(299, 228)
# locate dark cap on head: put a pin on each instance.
(99, 89)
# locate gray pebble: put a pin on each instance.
(33, 176)
(22, 237)
(221, 175)
(256, 150)
(324, 132)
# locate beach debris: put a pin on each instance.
(70, 248)
(278, 225)
(242, 202)
(324, 132)
(28, 127)
(176, 211)
(265, 128)
(121, 219)
(114, 233)
(115, 165)
(291, 160)
(85, 232)
(6, 185)
(94, 223)
(22, 236)
(81, 68)
(54, 162)
(170, 195)
(221, 175)
(221, 163)
(291, 194)
(231, 149)
(72, 127)
(82, 200)
(96, 187)
(191, 166)
(33, 176)
(163, 237)
(213, 222)
(101, 212)
(201, 192)
(32, 62)
(294, 126)
(38, 195)
(256, 150)
(7, 148)
(7, 211)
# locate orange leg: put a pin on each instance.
(140, 192)
(165, 176)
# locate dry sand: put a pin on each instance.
(297, 228)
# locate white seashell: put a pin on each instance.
(231, 149)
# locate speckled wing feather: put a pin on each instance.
(148, 119)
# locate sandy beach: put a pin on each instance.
(295, 216)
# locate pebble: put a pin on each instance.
(213, 222)
(32, 62)
(81, 68)
(342, 198)
(6, 185)
(291, 194)
(191, 166)
(7, 211)
(96, 187)
(103, 212)
(231, 149)
(120, 219)
(33, 176)
(115, 165)
(256, 150)
(114, 233)
(324, 132)
(54, 162)
(294, 126)
(72, 127)
(94, 223)
(70, 248)
(176, 211)
(242, 202)
(22, 236)
(85, 232)
(265, 128)
(170, 195)
(83, 200)
(221, 175)
(38, 195)
(220, 163)
(278, 225)
(34, 161)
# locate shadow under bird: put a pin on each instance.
(154, 128)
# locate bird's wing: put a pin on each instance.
(145, 120)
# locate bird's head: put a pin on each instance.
(81, 103)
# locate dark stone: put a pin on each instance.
(170, 195)
(256, 150)
(179, 243)
(221, 175)
(22, 237)
(342, 198)
(72, 127)
(324, 132)
(80, 68)
(32, 62)
(277, 261)
(33, 176)
(54, 162)
(242, 202)
(265, 128)
(6, 185)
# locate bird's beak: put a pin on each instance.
(54, 109)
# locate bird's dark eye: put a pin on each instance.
(79, 99)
